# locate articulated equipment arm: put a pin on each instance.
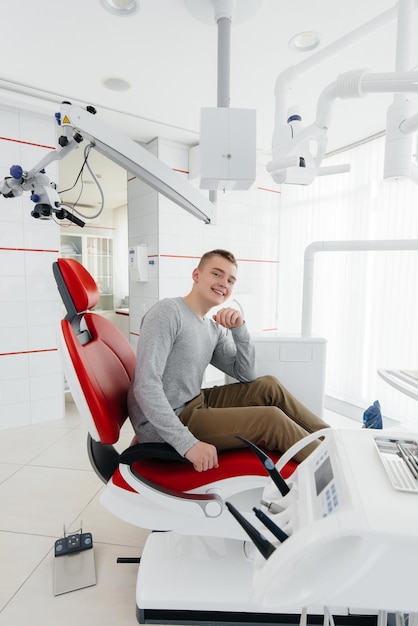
(78, 124)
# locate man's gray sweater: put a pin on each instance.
(174, 349)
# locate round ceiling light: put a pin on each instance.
(116, 84)
(122, 8)
(304, 42)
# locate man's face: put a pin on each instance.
(215, 280)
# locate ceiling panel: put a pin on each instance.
(64, 50)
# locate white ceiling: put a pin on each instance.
(56, 50)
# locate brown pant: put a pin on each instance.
(263, 411)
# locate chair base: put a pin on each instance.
(237, 618)
(208, 580)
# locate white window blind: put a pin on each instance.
(365, 303)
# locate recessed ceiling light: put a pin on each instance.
(123, 8)
(116, 84)
(304, 42)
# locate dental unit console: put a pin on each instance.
(343, 538)
(351, 525)
(78, 124)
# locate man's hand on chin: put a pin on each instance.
(229, 318)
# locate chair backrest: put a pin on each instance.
(100, 356)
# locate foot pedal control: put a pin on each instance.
(74, 566)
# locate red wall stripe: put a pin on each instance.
(180, 256)
(270, 190)
(28, 352)
(28, 250)
(28, 143)
(186, 172)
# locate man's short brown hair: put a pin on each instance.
(218, 252)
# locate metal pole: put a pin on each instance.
(368, 245)
(224, 61)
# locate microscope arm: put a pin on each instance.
(78, 124)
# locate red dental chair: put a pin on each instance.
(148, 485)
(201, 570)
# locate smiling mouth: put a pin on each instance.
(219, 293)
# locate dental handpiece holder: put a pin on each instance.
(352, 537)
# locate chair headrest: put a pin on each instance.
(80, 284)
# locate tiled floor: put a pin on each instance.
(46, 482)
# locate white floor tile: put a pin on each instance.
(107, 528)
(20, 556)
(40, 500)
(69, 452)
(72, 419)
(45, 482)
(111, 601)
(7, 469)
(22, 445)
(71, 413)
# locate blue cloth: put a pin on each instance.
(372, 417)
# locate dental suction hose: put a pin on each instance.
(276, 477)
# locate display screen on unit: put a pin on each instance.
(323, 475)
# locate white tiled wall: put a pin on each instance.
(31, 380)
(31, 383)
(246, 224)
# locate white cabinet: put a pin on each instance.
(96, 254)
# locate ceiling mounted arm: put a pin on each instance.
(298, 151)
(78, 124)
(227, 149)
